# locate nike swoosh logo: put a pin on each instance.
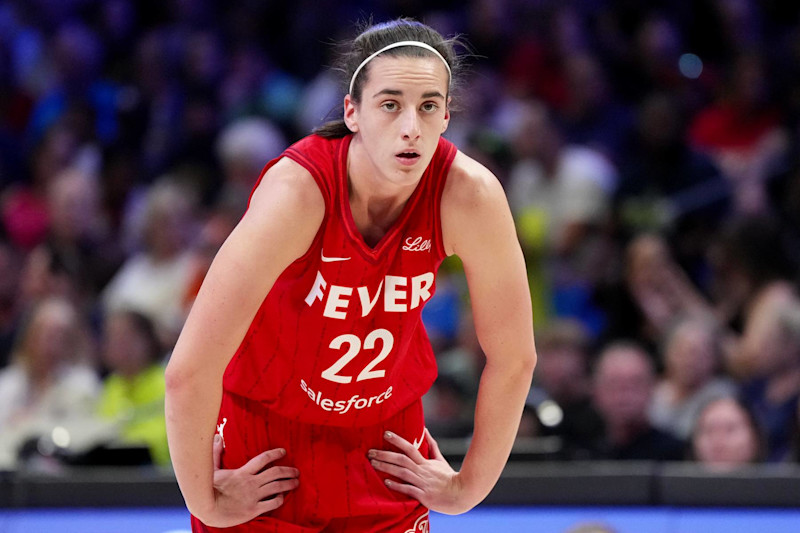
(417, 444)
(332, 259)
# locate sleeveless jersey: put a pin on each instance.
(339, 338)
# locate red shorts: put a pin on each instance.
(339, 489)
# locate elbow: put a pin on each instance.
(176, 379)
(172, 378)
(528, 363)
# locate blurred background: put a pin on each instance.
(650, 152)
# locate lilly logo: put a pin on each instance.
(417, 244)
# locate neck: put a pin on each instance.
(375, 201)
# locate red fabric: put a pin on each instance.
(727, 127)
(341, 342)
(339, 490)
(26, 218)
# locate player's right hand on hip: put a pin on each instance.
(251, 490)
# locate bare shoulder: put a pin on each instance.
(473, 203)
(286, 211)
(291, 182)
(470, 184)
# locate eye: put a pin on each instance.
(389, 106)
(429, 107)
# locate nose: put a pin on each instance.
(410, 125)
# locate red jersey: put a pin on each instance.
(339, 338)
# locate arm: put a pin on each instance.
(477, 225)
(285, 213)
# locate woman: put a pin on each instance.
(133, 392)
(305, 345)
(726, 436)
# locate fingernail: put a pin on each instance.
(371, 453)
(281, 451)
(217, 438)
(374, 463)
(388, 483)
(389, 435)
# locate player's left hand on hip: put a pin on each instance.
(432, 482)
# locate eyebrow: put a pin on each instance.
(395, 92)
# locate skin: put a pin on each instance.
(724, 437)
(403, 109)
(623, 386)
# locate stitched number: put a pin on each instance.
(353, 348)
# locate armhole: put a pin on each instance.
(327, 197)
(318, 179)
(444, 173)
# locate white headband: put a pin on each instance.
(396, 45)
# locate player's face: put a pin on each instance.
(402, 113)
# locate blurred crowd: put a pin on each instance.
(650, 152)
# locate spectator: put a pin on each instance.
(750, 255)
(23, 206)
(49, 382)
(560, 195)
(742, 132)
(155, 280)
(77, 240)
(668, 187)
(770, 351)
(133, 393)
(243, 147)
(561, 397)
(654, 293)
(726, 435)
(692, 357)
(622, 390)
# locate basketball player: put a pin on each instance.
(305, 348)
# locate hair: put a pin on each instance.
(373, 37)
(623, 344)
(755, 425)
(144, 328)
(74, 352)
(694, 318)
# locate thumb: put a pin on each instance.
(217, 451)
(432, 446)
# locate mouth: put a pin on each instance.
(408, 158)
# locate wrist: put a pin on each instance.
(204, 511)
(468, 497)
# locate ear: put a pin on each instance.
(350, 114)
(446, 115)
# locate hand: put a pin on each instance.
(251, 490)
(430, 481)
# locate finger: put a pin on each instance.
(269, 505)
(257, 463)
(395, 458)
(217, 451)
(408, 490)
(275, 473)
(399, 472)
(404, 446)
(277, 487)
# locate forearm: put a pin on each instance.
(192, 408)
(501, 397)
